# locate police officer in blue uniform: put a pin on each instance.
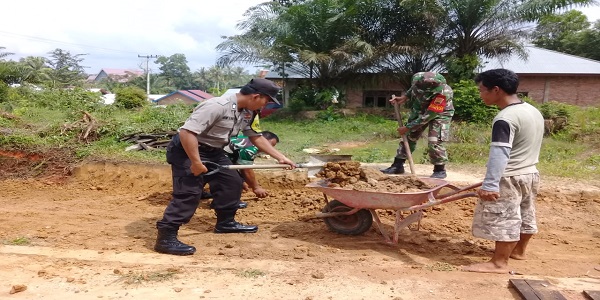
(201, 139)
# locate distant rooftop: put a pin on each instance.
(538, 62)
(543, 61)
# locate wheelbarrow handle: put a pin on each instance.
(448, 197)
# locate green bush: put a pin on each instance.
(469, 106)
(3, 92)
(130, 97)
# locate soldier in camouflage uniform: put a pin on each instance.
(430, 101)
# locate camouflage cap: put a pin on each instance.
(428, 81)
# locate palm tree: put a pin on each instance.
(33, 69)
(492, 28)
(316, 39)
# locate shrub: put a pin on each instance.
(469, 106)
(130, 97)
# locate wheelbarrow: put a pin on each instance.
(352, 212)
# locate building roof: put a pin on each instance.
(195, 95)
(122, 72)
(542, 61)
(538, 62)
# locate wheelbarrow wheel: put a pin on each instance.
(354, 224)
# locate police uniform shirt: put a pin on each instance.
(216, 119)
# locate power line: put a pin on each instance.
(49, 41)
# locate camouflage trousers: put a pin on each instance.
(512, 213)
(439, 132)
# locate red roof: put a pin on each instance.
(196, 95)
(201, 93)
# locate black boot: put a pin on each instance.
(242, 205)
(226, 223)
(396, 168)
(167, 242)
(439, 172)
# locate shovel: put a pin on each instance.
(314, 165)
(404, 139)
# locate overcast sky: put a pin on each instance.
(114, 32)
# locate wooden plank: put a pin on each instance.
(544, 290)
(593, 295)
(523, 289)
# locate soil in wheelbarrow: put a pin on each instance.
(350, 175)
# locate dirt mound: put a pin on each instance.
(55, 163)
(350, 175)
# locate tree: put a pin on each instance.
(317, 39)
(492, 28)
(175, 70)
(553, 30)
(33, 69)
(585, 43)
(66, 69)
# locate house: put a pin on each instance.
(119, 75)
(544, 75)
(185, 96)
(548, 75)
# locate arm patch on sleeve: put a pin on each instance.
(438, 104)
(501, 132)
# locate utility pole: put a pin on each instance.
(147, 57)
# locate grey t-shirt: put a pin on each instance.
(216, 119)
(517, 134)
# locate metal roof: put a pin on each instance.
(543, 61)
(538, 62)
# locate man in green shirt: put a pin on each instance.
(241, 151)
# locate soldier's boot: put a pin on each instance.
(167, 242)
(439, 172)
(226, 223)
(397, 167)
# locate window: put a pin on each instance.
(378, 98)
(522, 94)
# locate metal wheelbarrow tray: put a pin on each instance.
(352, 212)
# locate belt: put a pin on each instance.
(207, 148)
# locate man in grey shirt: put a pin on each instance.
(201, 139)
(505, 212)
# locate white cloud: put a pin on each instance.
(114, 32)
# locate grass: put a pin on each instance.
(573, 152)
(140, 277)
(20, 241)
(252, 273)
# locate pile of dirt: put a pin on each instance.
(350, 175)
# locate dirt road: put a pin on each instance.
(90, 236)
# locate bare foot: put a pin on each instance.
(518, 256)
(486, 267)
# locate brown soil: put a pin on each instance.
(90, 235)
(350, 175)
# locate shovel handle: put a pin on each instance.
(404, 140)
(215, 168)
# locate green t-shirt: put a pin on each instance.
(241, 151)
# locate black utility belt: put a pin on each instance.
(207, 148)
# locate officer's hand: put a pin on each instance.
(287, 161)
(487, 195)
(403, 130)
(398, 99)
(198, 168)
(245, 186)
(260, 192)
